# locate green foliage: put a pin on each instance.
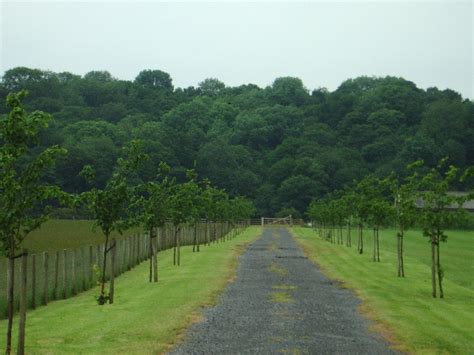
(439, 209)
(279, 146)
(25, 199)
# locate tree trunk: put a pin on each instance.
(349, 235)
(150, 252)
(378, 246)
(10, 301)
(112, 271)
(440, 270)
(433, 267)
(197, 230)
(361, 240)
(194, 238)
(374, 257)
(178, 237)
(154, 246)
(399, 264)
(175, 244)
(402, 265)
(102, 281)
(23, 304)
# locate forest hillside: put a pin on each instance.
(281, 146)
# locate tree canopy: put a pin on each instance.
(281, 146)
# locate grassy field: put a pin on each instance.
(58, 234)
(403, 307)
(146, 317)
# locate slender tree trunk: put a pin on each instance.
(378, 246)
(197, 230)
(10, 300)
(349, 234)
(175, 244)
(23, 304)
(433, 267)
(112, 271)
(154, 249)
(178, 237)
(104, 264)
(399, 264)
(358, 239)
(361, 239)
(374, 257)
(440, 270)
(402, 265)
(195, 238)
(150, 253)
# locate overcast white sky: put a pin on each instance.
(323, 43)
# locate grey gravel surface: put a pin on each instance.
(281, 303)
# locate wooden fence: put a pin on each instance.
(63, 274)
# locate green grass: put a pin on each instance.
(146, 317)
(58, 234)
(403, 307)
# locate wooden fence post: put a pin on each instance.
(91, 262)
(137, 249)
(23, 303)
(46, 276)
(127, 253)
(56, 277)
(84, 269)
(141, 237)
(65, 273)
(33, 281)
(74, 272)
(132, 251)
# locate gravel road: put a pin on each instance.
(281, 303)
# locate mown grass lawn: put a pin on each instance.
(146, 317)
(403, 307)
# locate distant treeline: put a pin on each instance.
(282, 145)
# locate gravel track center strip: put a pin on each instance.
(281, 303)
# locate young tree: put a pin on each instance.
(404, 210)
(241, 209)
(24, 199)
(436, 214)
(183, 207)
(380, 211)
(348, 204)
(362, 198)
(153, 210)
(109, 205)
(210, 199)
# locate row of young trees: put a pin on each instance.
(124, 201)
(422, 200)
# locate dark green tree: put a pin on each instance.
(25, 200)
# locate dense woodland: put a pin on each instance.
(282, 146)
